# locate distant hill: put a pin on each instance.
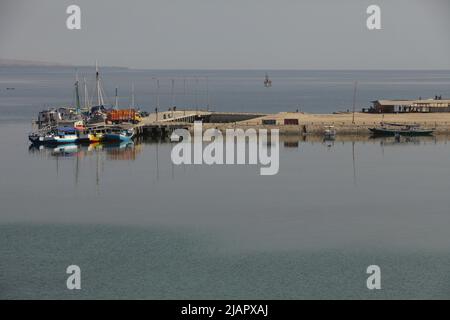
(28, 63)
(31, 63)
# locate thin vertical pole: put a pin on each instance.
(207, 93)
(184, 93)
(132, 95)
(354, 101)
(196, 92)
(117, 100)
(354, 163)
(97, 81)
(86, 94)
(157, 93)
(77, 93)
(172, 89)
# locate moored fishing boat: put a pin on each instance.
(89, 136)
(118, 135)
(395, 129)
(63, 135)
(95, 137)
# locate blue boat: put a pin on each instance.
(62, 135)
(118, 135)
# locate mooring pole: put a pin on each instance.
(354, 102)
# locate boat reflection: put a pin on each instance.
(113, 151)
(404, 140)
(67, 150)
(130, 150)
(78, 153)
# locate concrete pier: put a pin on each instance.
(289, 123)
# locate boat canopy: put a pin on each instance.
(66, 129)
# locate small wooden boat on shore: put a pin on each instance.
(329, 132)
(395, 129)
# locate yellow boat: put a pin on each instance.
(95, 137)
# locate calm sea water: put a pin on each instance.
(140, 227)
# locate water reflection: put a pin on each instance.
(125, 151)
(156, 155)
(403, 140)
(130, 150)
(122, 151)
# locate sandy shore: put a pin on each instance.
(314, 123)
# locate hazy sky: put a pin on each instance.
(230, 34)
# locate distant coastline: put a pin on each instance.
(29, 63)
(8, 63)
(36, 63)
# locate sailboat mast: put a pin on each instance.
(117, 100)
(97, 85)
(86, 94)
(100, 101)
(132, 95)
(77, 94)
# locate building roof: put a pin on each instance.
(423, 102)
